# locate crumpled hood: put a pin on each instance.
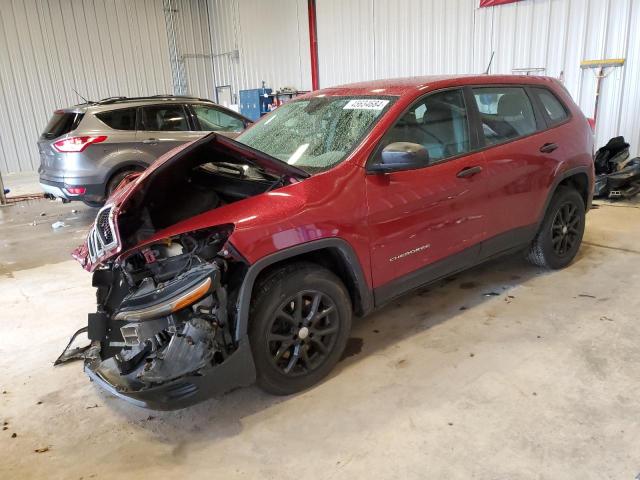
(123, 198)
(231, 149)
(218, 143)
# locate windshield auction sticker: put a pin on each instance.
(366, 104)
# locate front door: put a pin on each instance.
(427, 222)
(163, 127)
(211, 118)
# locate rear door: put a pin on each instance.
(518, 171)
(427, 222)
(163, 127)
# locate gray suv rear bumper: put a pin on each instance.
(93, 193)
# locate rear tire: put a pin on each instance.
(115, 181)
(299, 325)
(558, 240)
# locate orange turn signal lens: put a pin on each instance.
(192, 296)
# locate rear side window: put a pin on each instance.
(506, 113)
(211, 120)
(62, 123)
(554, 110)
(164, 118)
(123, 119)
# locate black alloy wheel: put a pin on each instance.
(560, 233)
(303, 331)
(299, 324)
(564, 229)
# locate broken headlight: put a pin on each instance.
(151, 302)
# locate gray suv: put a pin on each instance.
(86, 150)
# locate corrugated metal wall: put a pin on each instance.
(367, 39)
(240, 43)
(142, 47)
(193, 66)
(255, 40)
(47, 48)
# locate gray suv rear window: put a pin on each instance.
(122, 119)
(62, 123)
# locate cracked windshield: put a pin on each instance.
(318, 133)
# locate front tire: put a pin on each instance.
(300, 323)
(558, 240)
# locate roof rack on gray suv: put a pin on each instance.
(111, 100)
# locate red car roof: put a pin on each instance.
(413, 85)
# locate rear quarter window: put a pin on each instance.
(62, 123)
(554, 111)
(122, 119)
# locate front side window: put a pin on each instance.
(122, 119)
(438, 123)
(554, 110)
(506, 113)
(164, 118)
(213, 120)
(317, 133)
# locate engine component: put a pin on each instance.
(134, 334)
(187, 352)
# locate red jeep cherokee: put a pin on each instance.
(229, 262)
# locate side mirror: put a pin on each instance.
(400, 156)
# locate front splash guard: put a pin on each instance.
(237, 370)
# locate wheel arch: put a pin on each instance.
(580, 182)
(132, 165)
(334, 254)
(577, 178)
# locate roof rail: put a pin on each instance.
(110, 100)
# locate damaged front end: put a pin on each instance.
(162, 336)
(165, 334)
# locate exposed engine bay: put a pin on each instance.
(188, 190)
(162, 313)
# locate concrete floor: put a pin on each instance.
(540, 381)
(22, 183)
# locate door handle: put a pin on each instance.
(469, 171)
(150, 141)
(548, 147)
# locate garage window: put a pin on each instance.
(123, 119)
(554, 110)
(506, 113)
